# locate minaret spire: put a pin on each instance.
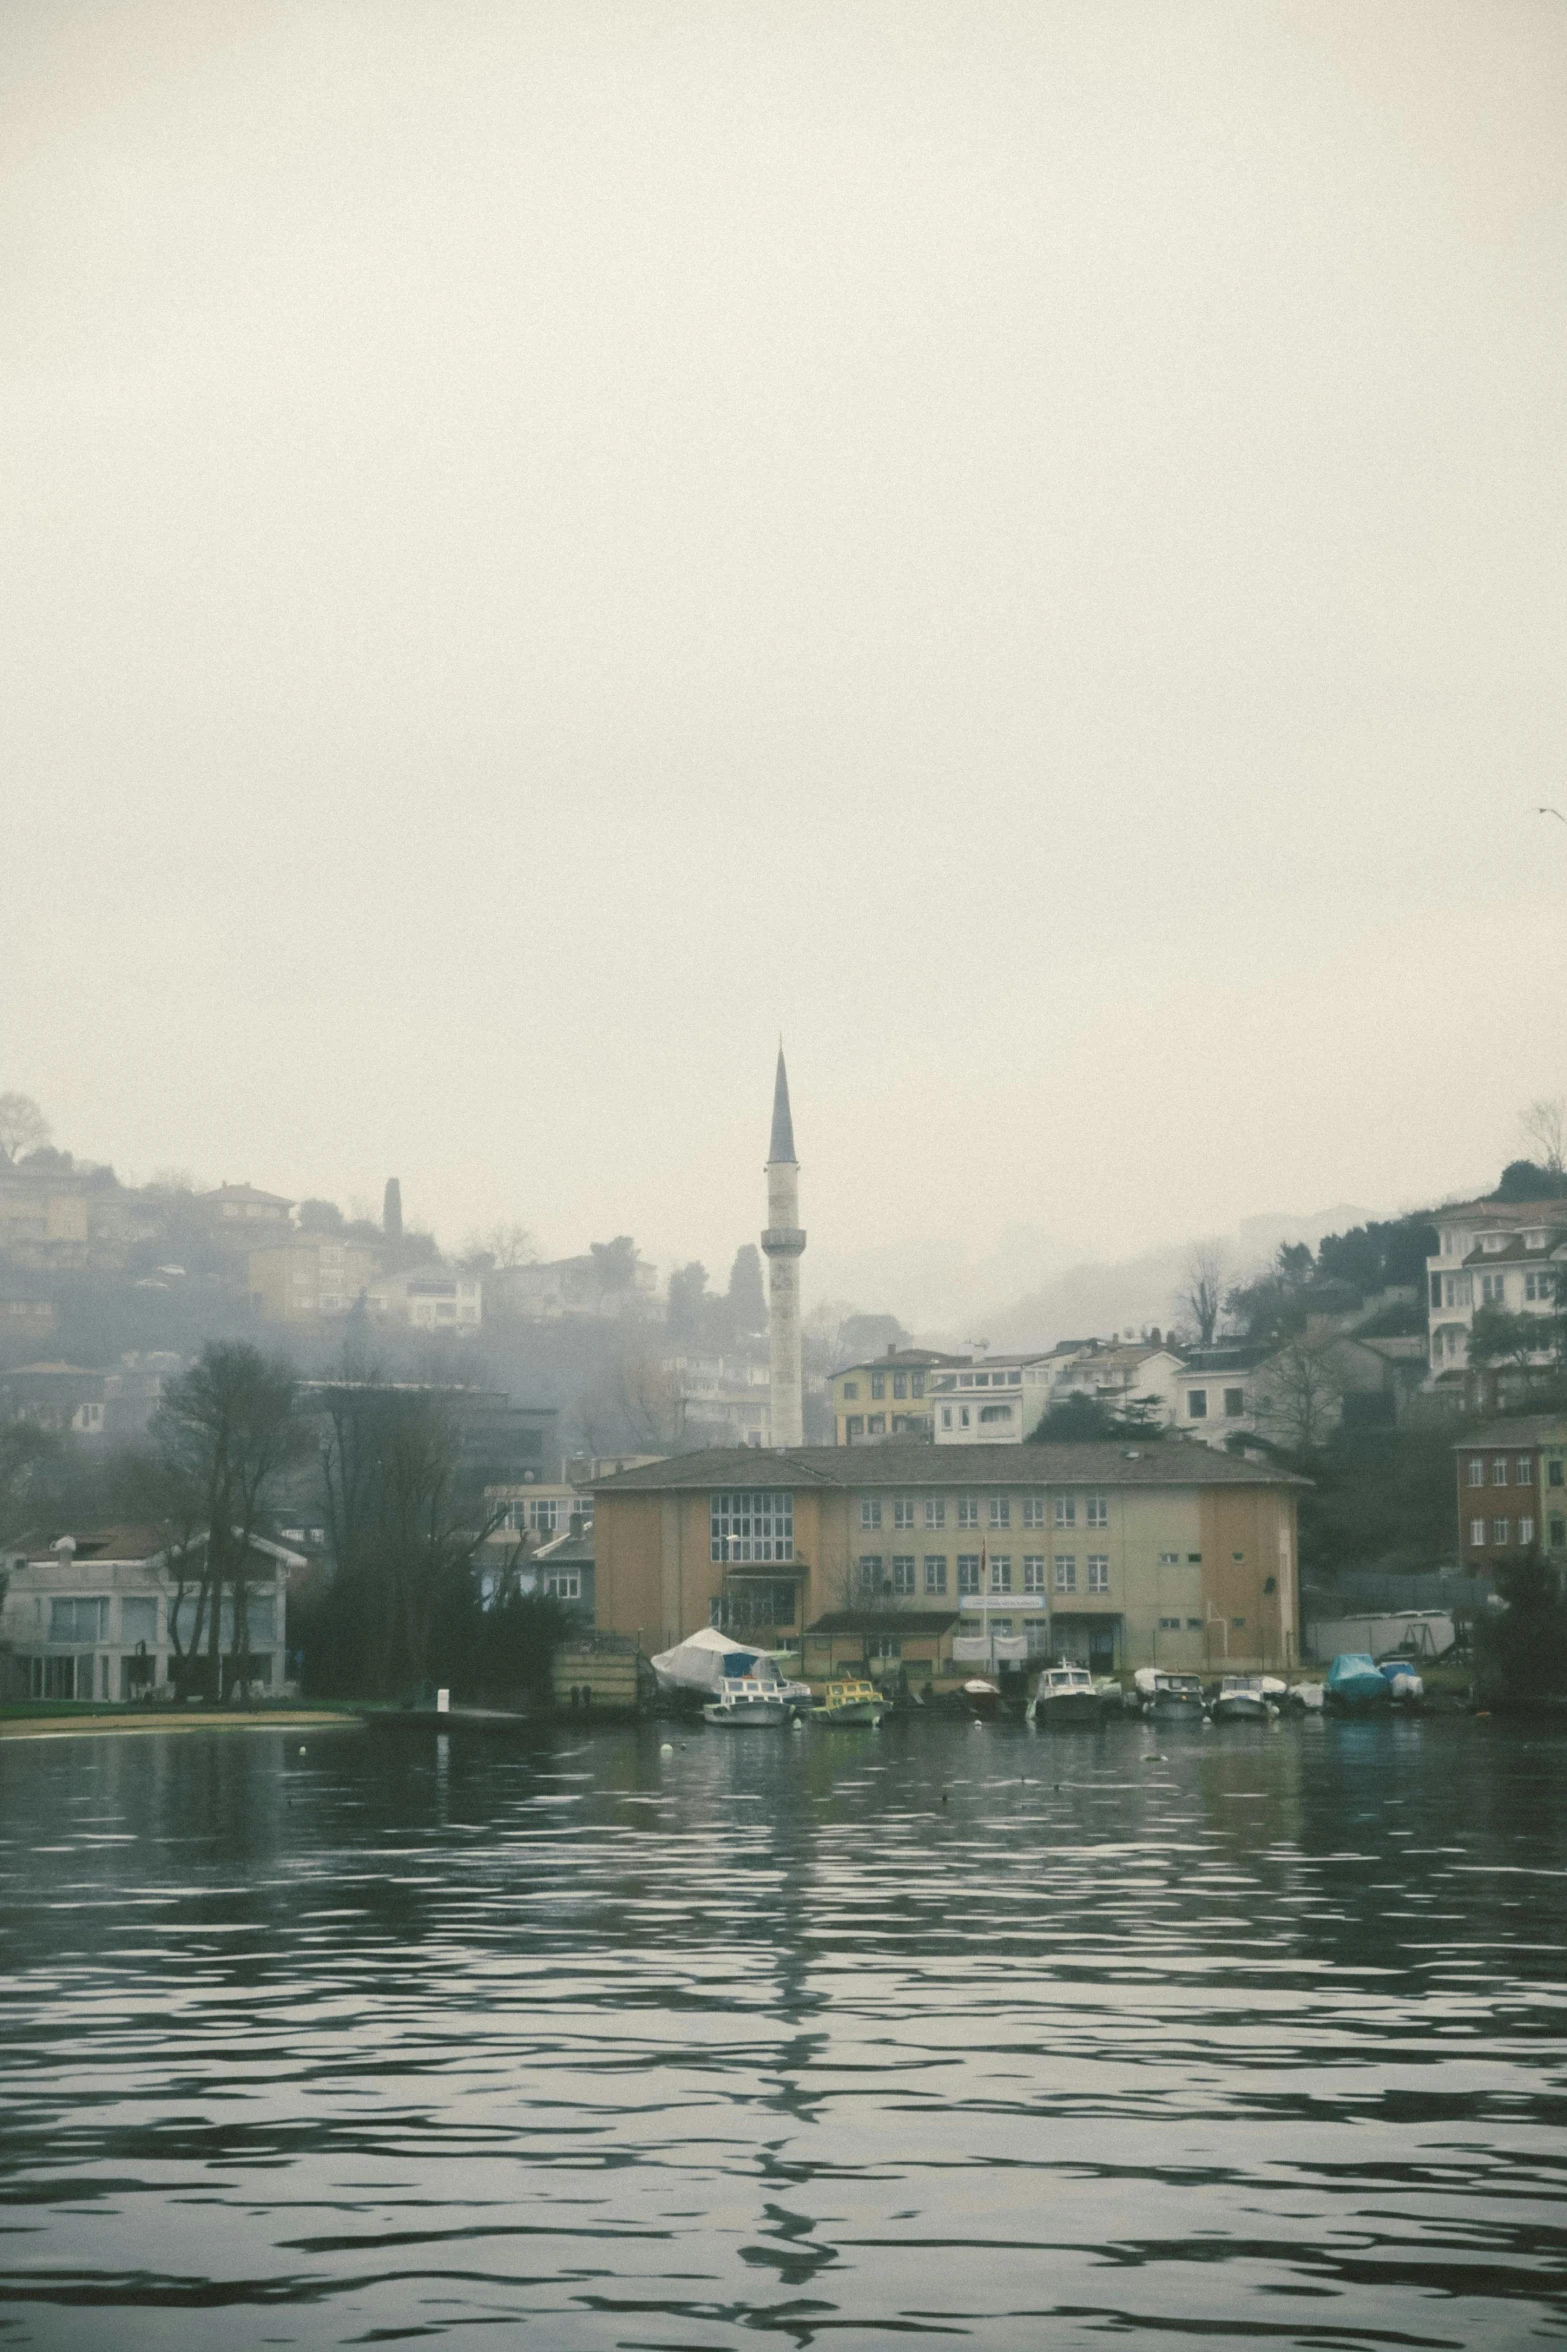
(782, 1243)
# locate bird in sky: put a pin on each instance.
(1552, 812)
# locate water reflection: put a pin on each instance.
(969, 2034)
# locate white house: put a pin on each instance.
(1491, 1254)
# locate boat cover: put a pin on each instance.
(703, 1660)
(1353, 1675)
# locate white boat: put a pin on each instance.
(744, 1704)
(1242, 1699)
(1065, 1694)
(696, 1666)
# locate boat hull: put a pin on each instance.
(1069, 1709)
(1240, 1710)
(862, 1712)
(1172, 1703)
(765, 1716)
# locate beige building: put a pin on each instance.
(1163, 1553)
(428, 1299)
(308, 1275)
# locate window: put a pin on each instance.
(1000, 1511)
(875, 1424)
(753, 1526)
(1194, 1559)
(1501, 1531)
(564, 1584)
(1169, 1559)
(1099, 1572)
(1558, 1531)
(756, 1606)
(995, 1412)
(900, 1384)
(543, 1514)
(935, 1512)
(1169, 1625)
(1001, 1625)
(1066, 1510)
(1539, 1286)
(946, 1416)
(878, 1384)
(1000, 1573)
(1238, 1624)
(1499, 1470)
(903, 1510)
(1476, 1470)
(78, 1621)
(1523, 1471)
(870, 1511)
(1457, 1290)
(1237, 1555)
(1526, 1531)
(885, 1649)
(1436, 1290)
(963, 1415)
(854, 1425)
(1197, 1404)
(1477, 1532)
(935, 1572)
(1066, 1574)
(138, 1622)
(1096, 1512)
(903, 1573)
(968, 1510)
(916, 1384)
(868, 1572)
(1034, 1572)
(1234, 1403)
(851, 1392)
(1033, 1510)
(968, 1572)
(1493, 1290)
(1554, 1471)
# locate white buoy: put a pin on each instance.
(666, 1749)
(795, 1723)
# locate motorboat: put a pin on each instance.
(981, 1697)
(1405, 1687)
(1354, 1686)
(1178, 1694)
(1242, 1699)
(850, 1703)
(1065, 1694)
(743, 1704)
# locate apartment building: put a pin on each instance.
(307, 1275)
(887, 1396)
(993, 1400)
(1512, 1492)
(1491, 1254)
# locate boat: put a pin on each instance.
(1405, 1687)
(981, 1697)
(745, 1704)
(1303, 1698)
(850, 1703)
(1353, 1686)
(1178, 1694)
(1242, 1699)
(1065, 1694)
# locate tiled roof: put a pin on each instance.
(1528, 1429)
(910, 1464)
(1546, 1212)
(900, 1360)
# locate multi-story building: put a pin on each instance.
(1512, 1492)
(887, 1396)
(990, 1400)
(307, 1275)
(1120, 1554)
(543, 1292)
(426, 1299)
(1505, 1254)
(1122, 1375)
(239, 1210)
(65, 1398)
(725, 1400)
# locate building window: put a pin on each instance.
(1501, 1531)
(854, 1425)
(1066, 1510)
(885, 1649)
(968, 1510)
(1526, 1531)
(1000, 1511)
(139, 1622)
(78, 1621)
(1066, 1574)
(946, 1416)
(916, 1384)
(1000, 1573)
(753, 1526)
(1034, 1572)
(900, 1384)
(1096, 1512)
(1197, 1404)
(851, 1392)
(995, 1412)
(869, 1572)
(1238, 1624)
(1033, 1510)
(1541, 1287)
(870, 1512)
(1523, 1471)
(564, 1584)
(903, 1508)
(875, 1424)
(543, 1514)
(755, 1606)
(935, 1572)
(1477, 1532)
(1554, 1472)
(1169, 1559)
(1558, 1531)
(1499, 1470)
(963, 1415)
(878, 1384)
(935, 1511)
(1493, 1290)
(1476, 1470)
(1099, 1572)
(903, 1574)
(1234, 1403)
(968, 1572)
(1169, 1625)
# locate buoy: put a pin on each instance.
(301, 1751)
(666, 1749)
(795, 1723)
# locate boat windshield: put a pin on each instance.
(1248, 1684)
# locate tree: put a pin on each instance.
(1299, 1392)
(1522, 1648)
(747, 1297)
(687, 1299)
(1076, 1420)
(614, 1263)
(861, 1337)
(1498, 1336)
(23, 1126)
(1545, 1125)
(1202, 1294)
(224, 1432)
(1524, 1180)
(320, 1216)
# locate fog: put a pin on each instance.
(1019, 546)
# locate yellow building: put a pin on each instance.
(886, 1396)
(1160, 1554)
(308, 1275)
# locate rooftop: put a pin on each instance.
(909, 1463)
(911, 1359)
(1527, 1429)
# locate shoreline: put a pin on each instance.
(139, 1726)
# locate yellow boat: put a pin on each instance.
(850, 1702)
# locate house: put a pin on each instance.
(64, 1398)
(989, 1400)
(428, 1299)
(1124, 1555)
(585, 1285)
(563, 1569)
(1122, 1375)
(886, 1396)
(1504, 1254)
(240, 1210)
(1512, 1492)
(308, 1275)
(43, 1219)
(89, 1616)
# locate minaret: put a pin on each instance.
(782, 1244)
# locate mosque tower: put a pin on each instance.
(782, 1244)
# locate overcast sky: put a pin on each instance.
(1022, 546)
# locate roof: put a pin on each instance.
(1126, 1351)
(565, 1551)
(1543, 1212)
(900, 1360)
(781, 1148)
(1528, 1429)
(910, 1463)
(100, 1545)
(910, 1621)
(53, 1372)
(248, 1192)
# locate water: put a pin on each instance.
(847, 2039)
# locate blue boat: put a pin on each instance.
(1354, 1686)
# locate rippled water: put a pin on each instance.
(839, 2038)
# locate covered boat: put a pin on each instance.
(742, 1703)
(1065, 1694)
(1178, 1694)
(981, 1697)
(1242, 1699)
(1405, 1686)
(1354, 1686)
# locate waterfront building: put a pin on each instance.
(783, 1244)
(1122, 1555)
(1512, 1492)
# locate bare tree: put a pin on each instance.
(23, 1126)
(1299, 1391)
(1204, 1279)
(1544, 1124)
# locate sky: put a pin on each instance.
(1020, 547)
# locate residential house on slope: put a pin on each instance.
(886, 1396)
(1512, 1492)
(1505, 1254)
